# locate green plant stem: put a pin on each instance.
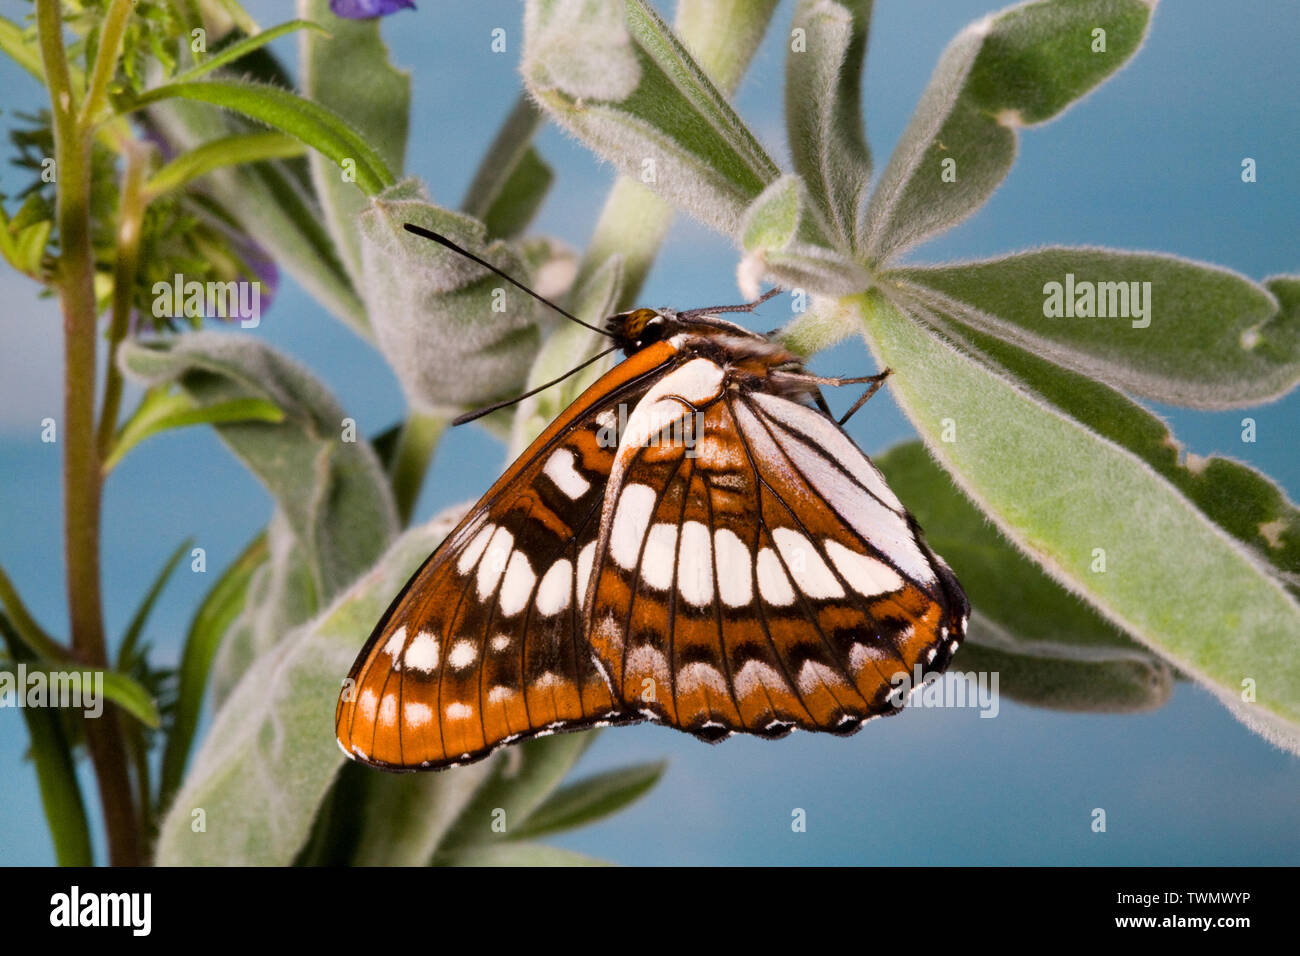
(415, 447)
(81, 477)
(110, 46)
(130, 223)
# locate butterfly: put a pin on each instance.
(694, 541)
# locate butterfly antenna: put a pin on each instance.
(480, 412)
(745, 307)
(444, 241)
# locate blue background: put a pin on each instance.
(1149, 161)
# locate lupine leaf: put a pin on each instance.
(823, 110)
(1236, 497)
(332, 491)
(348, 72)
(241, 49)
(1170, 576)
(270, 757)
(1203, 336)
(226, 151)
(1048, 647)
(162, 410)
(632, 93)
(456, 335)
(1019, 67)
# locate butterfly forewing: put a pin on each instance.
(485, 645)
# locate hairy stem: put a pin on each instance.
(81, 474)
(130, 223)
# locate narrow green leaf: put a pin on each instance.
(823, 109)
(522, 779)
(318, 127)
(211, 621)
(270, 757)
(56, 772)
(277, 208)
(131, 636)
(241, 49)
(629, 90)
(162, 410)
(512, 180)
(21, 47)
(583, 801)
(785, 241)
(1015, 68)
(226, 151)
(1070, 499)
(328, 483)
(515, 854)
(24, 625)
(130, 696)
(1166, 328)
(348, 71)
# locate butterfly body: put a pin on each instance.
(690, 542)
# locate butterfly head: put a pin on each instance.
(639, 328)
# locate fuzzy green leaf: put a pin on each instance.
(269, 759)
(1163, 327)
(332, 490)
(225, 151)
(239, 50)
(1236, 497)
(627, 87)
(522, 778)
(348, 72)
(1019, 67)
(1048, 648)
(131, 636)
(1172, 578)
(211, 621)
(455, 334)
(589, 799)
(276, 207)
(823, 109)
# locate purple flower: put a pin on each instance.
(365, 9)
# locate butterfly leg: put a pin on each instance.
(875, 382)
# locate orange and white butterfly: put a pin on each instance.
(691, 542)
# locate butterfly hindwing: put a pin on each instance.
(485, 644)
(757, 574)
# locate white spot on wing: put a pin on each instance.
(517, 587)
(699, 381)
(695, 565)
(561, 469)
(773, 584)
(393, 646)
(463, 655)
(735, 568)
(474, 550)
(388, 709)
(805, 564)
(585, 558)
(813, 675)
(631, 517)
(557, 584)
(865, 574)
(660, 556)
(755, 676)
(422, 655)
(458, 711)
(417, 714)
(699, 674)
(369, 704)
(494, 560)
